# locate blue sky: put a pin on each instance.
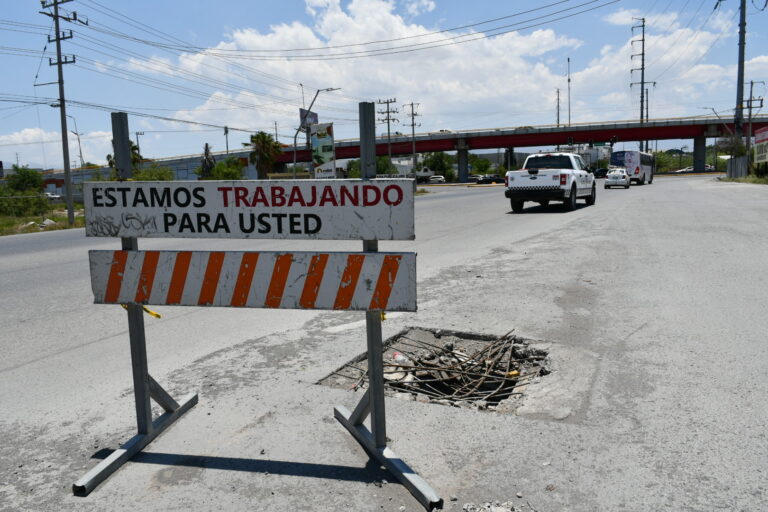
(484, 64)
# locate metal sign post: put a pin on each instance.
(372, 402)
(370, 281)
(144, 386)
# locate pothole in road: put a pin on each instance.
(451, 368)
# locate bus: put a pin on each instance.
(640, 166)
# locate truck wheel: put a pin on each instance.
(641, 181)
(650, 180)
(591, 198)
(517, 206)
(570, 204)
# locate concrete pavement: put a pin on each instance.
(651, 304)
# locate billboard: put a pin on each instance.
(323, 154)
(307, 118)
(761, 146)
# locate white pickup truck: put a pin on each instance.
(549, 177)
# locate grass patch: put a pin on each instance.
(421, 191)
(749, 179)
(31, 223)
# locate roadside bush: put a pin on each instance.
(20, 203)
(153, 173)
(24, 179)
(231, 168)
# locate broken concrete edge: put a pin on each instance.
(437, 332)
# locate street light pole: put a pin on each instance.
(79, 147)
(304, 119)
(138, 146)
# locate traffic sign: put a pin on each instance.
(381, 209)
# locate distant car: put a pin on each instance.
(437, 179)
(490, 178)
(617, 178)
(684, 170)
(601, 173)
(472, 178)
(51, 196)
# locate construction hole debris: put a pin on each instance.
(451, 368)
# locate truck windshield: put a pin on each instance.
(548, 162)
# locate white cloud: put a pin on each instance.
(416, 7)
(502, 81)
(662, 21)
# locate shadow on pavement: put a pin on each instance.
(552, 208)
(371, 473)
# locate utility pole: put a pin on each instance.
(558, 113)
(275, 131)
(647, 108)
(60, 61)
(738, 118)
(226, 137)
(413, 116)
(569, 92)
(641, 68)
(750, 102)
(388, 118)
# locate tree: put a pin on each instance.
(264, 152)
(384, 165)
(24, 179)
(353, 168)
(207, 163)
(479, 164)
(731, 145)
(439, 162)
(136, 157)
(231, 168)
(154, 173)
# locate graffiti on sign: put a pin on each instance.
(329, 210)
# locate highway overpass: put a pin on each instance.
(696, 128)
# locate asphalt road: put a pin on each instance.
(651, 303)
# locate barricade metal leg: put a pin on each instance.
(377, 448)
(372, 403)
(144, 389)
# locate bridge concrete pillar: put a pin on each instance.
(462, 157)
(699, 153)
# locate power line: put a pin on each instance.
(460, 39)
(329, 47)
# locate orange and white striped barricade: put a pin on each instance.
(370, 281)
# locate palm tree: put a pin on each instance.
(136, 158)
(264, 152)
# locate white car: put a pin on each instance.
(437, 179)
(51, 196)
(617, 178)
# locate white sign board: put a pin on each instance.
(761, 146)
(278, 209)
(292, 280)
